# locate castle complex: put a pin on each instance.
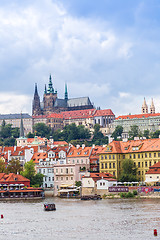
(51, 103)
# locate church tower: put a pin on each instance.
(152, 107)
(49, 98)
(144, 107)
(36, 108)
(66, 93)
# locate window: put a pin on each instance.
(134, 164)
(154, 154)
(71, 170)
(113, 165)
(105, 156)
(139, 164)
(138, 155)
(158, 154)
(77, 160)
(109, 156)
(81, 160)
(71, 178)
(43, 170)
(154, 162)
(150, 155)
(142, 155)
(49, 178)
(139, 173)
(150, 163)
(102, 165)
(100, 184)
(66, 178)
(130, 156)
(113, 157)
(134, 156)
(61, 178)
(123, 156)
(66, 170)
(52, 178)
(113, 173)
(105, 165)
(146, 164)
(61, 170)
(39, 170)
(57, 178)
(109, 165)
(103, 183)
(145, 155)
(142, 164)
(102, 157)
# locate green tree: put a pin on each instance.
(155, 134)
(37, 180)
(30, 135)
(6, 131)
(129, 171)
(15, 132)
(117, 132)
(134, 131)
(83, 133)
(14, 166)
(42, 130)
(146, 133)
(2, 166)
(9, 141)
(29, 170)
(98, 137)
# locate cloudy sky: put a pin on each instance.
(107, 50)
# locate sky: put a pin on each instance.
(107, 50)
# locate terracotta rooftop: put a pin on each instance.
(132, 146)
(138, 116)
(74, 152)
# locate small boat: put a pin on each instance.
(91, 197)
(49, 207)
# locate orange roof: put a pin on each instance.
(138, 116)
(98, 176)
(11, 177)
(132, 146)
(55, 115)
(40, 116)
(154, 169)
(104, 112)
(74, 152)
(87, 113)
(60, 143)
(37, 156)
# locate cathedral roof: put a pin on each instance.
(82, 101)
(14, 116)
(60, 103)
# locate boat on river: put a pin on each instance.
(49, 207)
(91, 197)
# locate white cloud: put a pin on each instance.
(11, 102)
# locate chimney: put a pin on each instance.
(83, 146)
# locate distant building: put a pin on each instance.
(51, 103)
(150, 121)
(15, 120)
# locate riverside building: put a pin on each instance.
(144, 153)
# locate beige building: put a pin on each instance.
(15, 120)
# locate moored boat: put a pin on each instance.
(49, 207)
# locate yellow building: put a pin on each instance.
(144, 153)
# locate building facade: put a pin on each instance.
(144, 153)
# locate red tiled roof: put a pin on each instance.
(11, 177)
(38, 155)
(138, 116)
(104, 112)
(55, 115)
(154, 169)
(144, 145)
(74, 152)
(98, 176)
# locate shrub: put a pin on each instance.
(135, 192)
(129, 195)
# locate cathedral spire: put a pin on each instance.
(66, 92)
(36, 108)
(45, 89)
(21, 128)
(144, 107)
(152, 107)
(50, 87)
(36, 91)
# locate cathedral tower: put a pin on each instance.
(49, 98)
(36, 108)
(152, 107)
(144, 107)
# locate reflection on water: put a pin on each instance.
(76, 219)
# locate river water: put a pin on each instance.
(75, 219)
